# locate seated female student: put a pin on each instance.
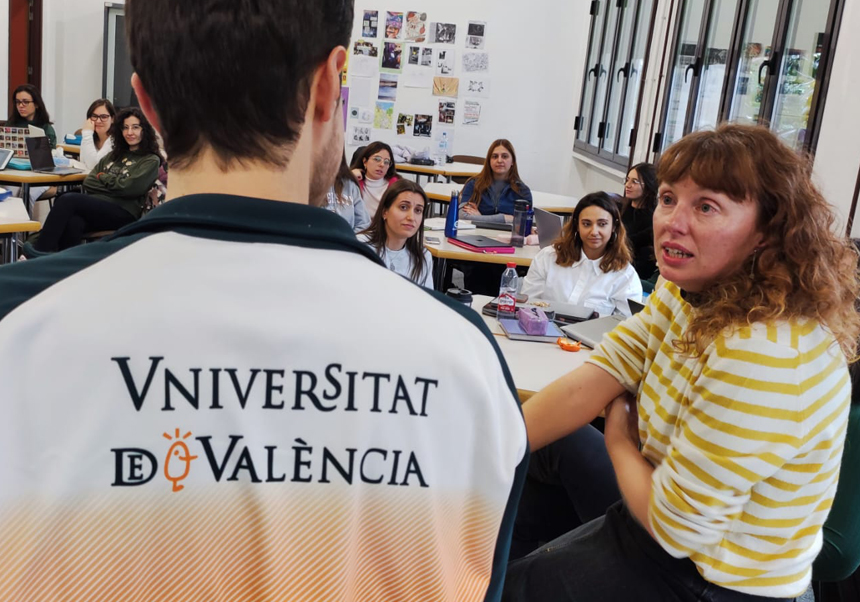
(640, 200)
(492, 192)
(344, 198)
(589, 264)
(95, 133)
(397, 235)
(728, 457)
(374, 170)
(115, 190)
(28, 109)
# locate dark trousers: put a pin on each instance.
(76, 214)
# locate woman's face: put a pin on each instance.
(404, 216)
(132, 132)
(101, 120)
(377, 164)
(501, 161)
(702, 236)
(25, 105)
(633, 186)
(595, 230)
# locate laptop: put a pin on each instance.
(549, 226)
(41, 160)
(487, 225)
(5, 155)
(590, 332)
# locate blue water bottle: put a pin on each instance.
(451, 217)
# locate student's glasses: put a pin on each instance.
(633, 181)
(131, 128)
(102, 118)
(22, 102)
(377, 159)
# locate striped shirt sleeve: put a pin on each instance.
(623, 351)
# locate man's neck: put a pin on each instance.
(257, 179)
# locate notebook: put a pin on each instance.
(41, 160)
(515, 332)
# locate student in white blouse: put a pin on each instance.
(396, 232)
(96, 140)
(589, 264)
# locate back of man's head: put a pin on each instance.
(232, 75)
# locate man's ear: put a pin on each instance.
(145, 102)
(327, 84)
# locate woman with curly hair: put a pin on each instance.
(115, 189)
(726, 398)
(589, 264)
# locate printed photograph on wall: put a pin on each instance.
(471, 112)
(370, 24)
(363, 48)
(391, 55)
(384, 116)
(446, 86)
(393, 25)
(475, 35)
(445, 61)
(426, 57)
(446, 111)
(423, 126)
(476, 62)
(414, 55)
(443, 33)
(416, 26)
(360, 135)
(387, 86)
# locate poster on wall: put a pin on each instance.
(393, 25)
(476, 62)
(360, 135)
(404, 124)
(443, 33)
(476, 86)
(365, 59)
(446, 111)
(475, 35)
(413, 56)
(415, 73)
(383, 119)
(370, 24)
(387, 86)
(445, 61)
(471, 112)
(391, 56)
(416, 26)
(426, 57)
(362, 91)
(423, 126)
(446, 86)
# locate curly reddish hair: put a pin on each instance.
(803, 270)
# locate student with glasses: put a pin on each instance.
(27, 108)
(95, 133)
(640, 200)
(375, 171)
(115, 189)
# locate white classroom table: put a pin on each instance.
(448, 170)
(533, 365)
(14, 220)
(554, 203)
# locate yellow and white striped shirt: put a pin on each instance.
(746, 440)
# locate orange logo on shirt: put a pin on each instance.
(177, 464)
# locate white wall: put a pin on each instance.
(535, 71)
(4, 59)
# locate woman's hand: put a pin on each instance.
(357, 174)
(88, 125)
(622, 422)
(470, 209)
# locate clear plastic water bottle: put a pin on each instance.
(442, 152)
(508, 292)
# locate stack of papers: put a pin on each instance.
(438, 223)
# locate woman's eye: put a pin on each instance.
(666, 200)
(706, 208)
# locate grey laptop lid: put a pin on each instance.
(548, 226)
(40, 153)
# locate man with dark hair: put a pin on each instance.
(232, 399)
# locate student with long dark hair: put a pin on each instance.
(589, 264)
(96, 132)
(375, 171)
(27, 108)
(640, 201)
(344, 198)
(397, 235)
(115, 190)
(493, 191)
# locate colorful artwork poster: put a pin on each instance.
(426, 57)
(423, 127)
(445, 61)
(475, 35)
(476, 62)
(471, 112)
(403, 119)
(444, 33)
(387, 86)
(401, 130)
(446, 111)
(416, 26)
(391, 56)
(446, 86)
(393, 25)
(384, 116)
(370, 24)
